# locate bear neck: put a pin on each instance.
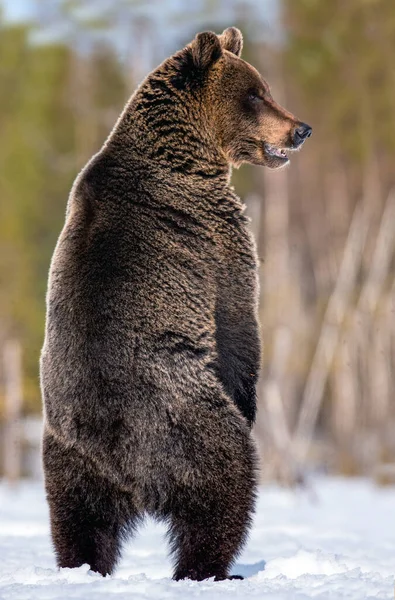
(169, 125)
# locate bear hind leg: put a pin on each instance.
(206, 544)
(86, 534)
(89, 515)
(209, 526)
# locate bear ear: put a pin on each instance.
(232, 40)
(206, 49)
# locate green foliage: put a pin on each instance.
(44, 143)
(340, 56)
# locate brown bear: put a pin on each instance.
(152, 349)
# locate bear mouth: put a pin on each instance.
(275, 152)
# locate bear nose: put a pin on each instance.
(301, 133)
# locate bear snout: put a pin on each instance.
(301, 133)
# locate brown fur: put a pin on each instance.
(151, 353)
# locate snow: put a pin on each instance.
(338, 546)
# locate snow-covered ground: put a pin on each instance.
(342, 545)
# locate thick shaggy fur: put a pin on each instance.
(151, 353)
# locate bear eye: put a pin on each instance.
(254, 97)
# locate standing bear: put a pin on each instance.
(152, 349)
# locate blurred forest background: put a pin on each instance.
(325, 226)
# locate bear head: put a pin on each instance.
(249, 125)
